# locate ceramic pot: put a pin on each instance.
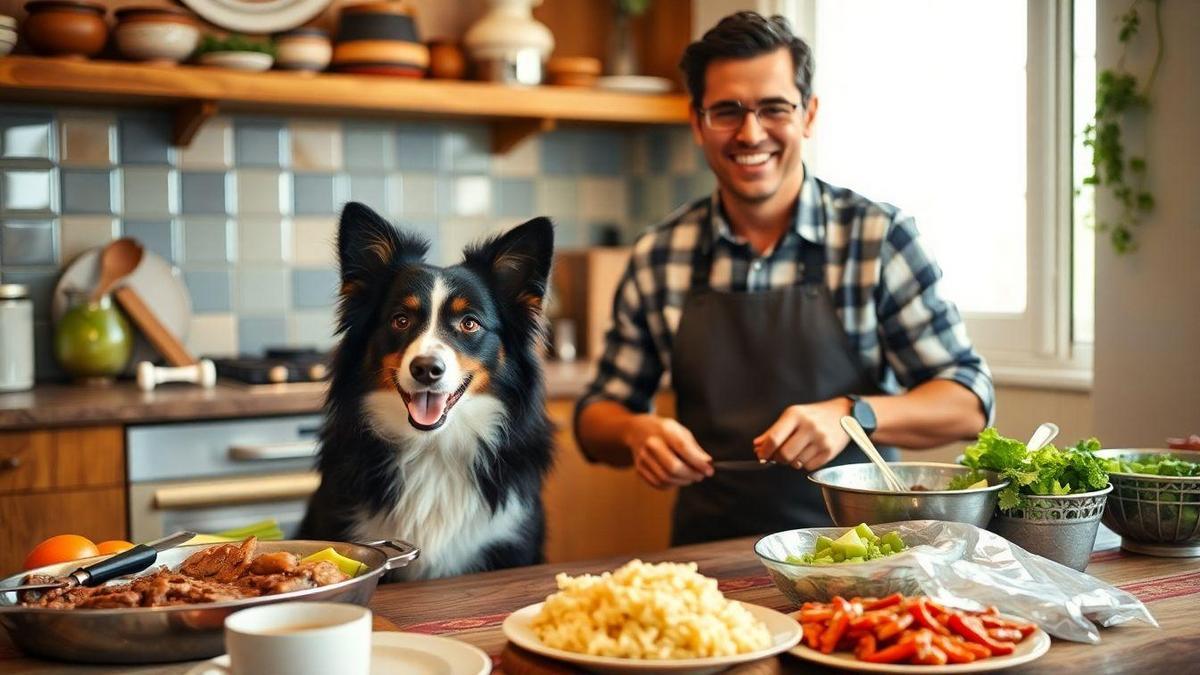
(73, 28)
(303, 49)
(380, 38)
(93, 339)
(446, 60)
(573, 71)
(162, 35)
(8, 34)
(508, 44)
(254, 62)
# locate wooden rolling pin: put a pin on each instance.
(160, 337)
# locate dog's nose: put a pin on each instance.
(427, 369)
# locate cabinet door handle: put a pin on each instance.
(10, 463)
(267, 451)
(240, 491)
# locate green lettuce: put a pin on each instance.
(1048, 471)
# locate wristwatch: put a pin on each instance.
(863, 413)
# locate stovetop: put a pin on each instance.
(276, 366)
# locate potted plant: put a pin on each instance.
(1055, 497)
(622, 51)
(236, 52)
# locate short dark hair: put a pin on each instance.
(741, 36)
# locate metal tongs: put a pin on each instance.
(135, 559)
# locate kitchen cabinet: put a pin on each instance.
(594, 510)
(54, 481)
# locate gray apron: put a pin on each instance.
(739, 359)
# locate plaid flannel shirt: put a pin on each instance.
(883, 280)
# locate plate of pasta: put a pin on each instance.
(663, 617)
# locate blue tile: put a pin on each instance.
(145, 140)
(256, 333)
(258, 142)
(28, 242)
(149, 192)
(210, 290)
(206, 239)
(684, 189)
(561, 153)
(314, 288)
(514, 197)
(468, 148)
(28, 191)
(604, 152)
(370, 189)
(41, 286)
(367, 147)
(419, 195)
(658, 151)
(430, 232)
(568, 234)
(418, 147)
(204, 192)
(636, 189)
(261, 290)
(25, 136)
(87, 191)
(315, 194)
(156, 236)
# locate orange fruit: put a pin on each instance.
(60, 548)
(113, 546)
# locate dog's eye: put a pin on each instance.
(400, 321)
(469, 324)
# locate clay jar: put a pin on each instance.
(161, 35)
(73, 28)
(446, 60)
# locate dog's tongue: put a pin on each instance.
(426, 407)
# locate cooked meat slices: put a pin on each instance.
(274, 563)
(222, 563)
(214, 574)
(323, 572)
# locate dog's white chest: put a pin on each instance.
(440, 508)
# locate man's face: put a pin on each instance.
(754, 162)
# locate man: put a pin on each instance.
(778, 305)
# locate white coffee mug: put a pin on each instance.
(300, 638)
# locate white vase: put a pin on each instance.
(507, 44)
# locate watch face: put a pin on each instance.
(865, 415)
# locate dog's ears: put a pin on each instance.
(368, 245)
(518, 261)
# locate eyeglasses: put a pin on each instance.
(730, 116)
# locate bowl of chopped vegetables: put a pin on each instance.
(856, 493)
(819, 563)
(1155, 502)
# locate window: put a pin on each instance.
(960, 113)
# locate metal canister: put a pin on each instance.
(16, 338)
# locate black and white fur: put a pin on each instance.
(464, 487)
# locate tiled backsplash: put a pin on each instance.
(247, 213)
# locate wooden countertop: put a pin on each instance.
(62, 405)
(471, 608)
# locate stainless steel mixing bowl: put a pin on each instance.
(178, 632)
(1155, 515)
(856, 493)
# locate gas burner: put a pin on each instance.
(277, 366)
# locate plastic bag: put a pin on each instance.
(967, 567)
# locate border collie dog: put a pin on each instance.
(435, 425)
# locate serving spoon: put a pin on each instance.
(859, 436)
(1046, 432)
(117, 260)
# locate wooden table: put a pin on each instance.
(470, 608)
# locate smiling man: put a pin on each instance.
(778, 305)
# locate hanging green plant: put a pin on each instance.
(1117, 99)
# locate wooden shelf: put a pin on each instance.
(196, 93)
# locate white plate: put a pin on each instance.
(785, 633)
(154, 280)
(1027, 650)
(642, 84)
(257, 16)
(409, 653)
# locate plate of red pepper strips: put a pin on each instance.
(898, 634)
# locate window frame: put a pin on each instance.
(1034, 348)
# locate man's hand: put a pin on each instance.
(806, 436)
(665, 453)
